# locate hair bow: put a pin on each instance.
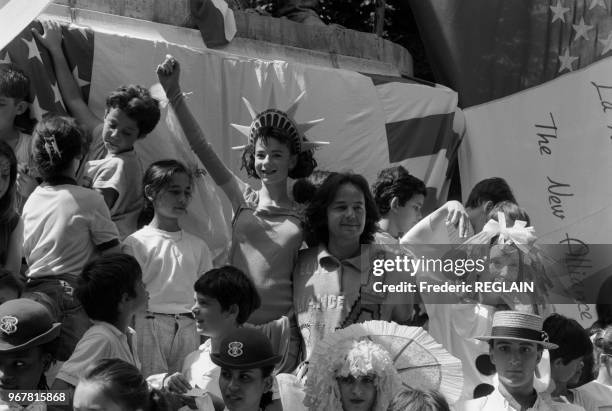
(51, 147)
(518, 234)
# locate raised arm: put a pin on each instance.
(51, 38)
(169, 73)
(452, 213)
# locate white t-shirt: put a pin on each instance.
(101, 340)
(63, 225)
(122, 173)
(600, 395)
(171, 263)
(497, 401)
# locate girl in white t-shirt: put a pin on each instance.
(65, 225)
(171, 260)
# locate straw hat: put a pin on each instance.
(518, 326)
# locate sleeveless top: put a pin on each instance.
(265, 244)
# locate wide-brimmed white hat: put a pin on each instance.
(518, 326)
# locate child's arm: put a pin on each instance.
(71, 93)
(451, 213)
(25, 183)
(169, 73)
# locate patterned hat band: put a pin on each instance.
(521, 333)
(519, 326)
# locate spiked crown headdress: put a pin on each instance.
(280, 120)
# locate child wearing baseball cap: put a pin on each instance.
(28, 337)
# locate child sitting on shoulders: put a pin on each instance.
(111, 290)
(171, 260)
(113, 168)
(65, 225)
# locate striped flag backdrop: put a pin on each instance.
(45, 95)
(371, 122)
(15, 15)
(487, 49)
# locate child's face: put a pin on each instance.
(22, 370)
(242, 389)
(5, 175)
(565, 372)
(89, 396)
(515, 362)
(120, 132)
(141, 299)
(211, 319)
(410, 213)
(504, 263)
(273, 160)
(9, 109)
(172, 201)
(346, 215)
(357, 394)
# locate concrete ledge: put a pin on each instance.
(334, 46)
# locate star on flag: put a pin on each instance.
(79, 80)
(57, 95)
(30, 56)
(607, 42)
(596, 3)
(566, 61)
(33, 51)
(39, 112)
(581, 29)
(559, 11)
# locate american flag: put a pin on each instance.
(35, 60)
(488, 49)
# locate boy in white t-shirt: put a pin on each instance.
(112, 291)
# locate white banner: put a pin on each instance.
(553, 144)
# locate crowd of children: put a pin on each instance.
(105, 297)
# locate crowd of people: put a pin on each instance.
(105, 297)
